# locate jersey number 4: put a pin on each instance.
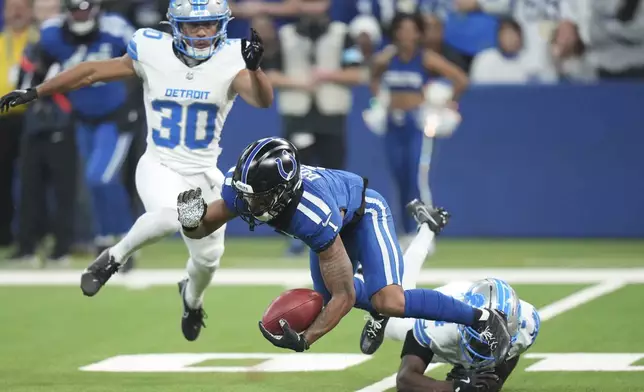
(192, 125)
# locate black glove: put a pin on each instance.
(478, 382)
(17, 97)
(290, 339)
(191, 209)
(457, 372)
(253, 50)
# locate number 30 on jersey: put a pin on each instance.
(192, 125)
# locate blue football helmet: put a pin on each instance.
(491, 294)
(197, 12)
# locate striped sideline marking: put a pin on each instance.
(547, 312)
(301, 277)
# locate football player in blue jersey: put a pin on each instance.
(104, 131)
(343, 222)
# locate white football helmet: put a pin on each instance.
(492, 294)
(198, 11)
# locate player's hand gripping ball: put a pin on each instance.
(191, 208)
(252, 50)
(288, 316)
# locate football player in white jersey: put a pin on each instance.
(474, 368)
(428, 342)
(190, 80)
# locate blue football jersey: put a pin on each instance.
(330, 200)
(111, 40)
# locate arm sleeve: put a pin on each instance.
(319, 222)
(413, 347)
(228, 194)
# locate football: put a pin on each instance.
(299, 307)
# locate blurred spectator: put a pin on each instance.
(468, 28)
(281, 11)
(46, 9)
(18, 31)
(365, 32)
(536, 18)
(313, 70)
(140, 13)
(612, 32)
(509, 62)
(434, 40)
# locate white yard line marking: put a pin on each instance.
(548, 312)
(301, 277)
(579, 298)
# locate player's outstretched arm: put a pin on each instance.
(338, 277)
(197, 219)
(252, 83)
(86, 74)
(439, 64)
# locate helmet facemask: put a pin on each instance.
(199, 37)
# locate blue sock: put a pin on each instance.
(434, 305)
(362, 299)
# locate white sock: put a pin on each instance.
(149, 228)
(415, 256)
(199, 277)
(397, 328)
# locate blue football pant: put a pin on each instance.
(409, 157)
(372, 242)
(104, 149)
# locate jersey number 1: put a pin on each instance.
(199, 120)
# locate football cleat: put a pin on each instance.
(436, 218)
(192, 319)
(98, 273)
(373, 333)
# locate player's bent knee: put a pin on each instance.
(389, 301)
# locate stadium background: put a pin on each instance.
(545, 187)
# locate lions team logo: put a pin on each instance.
(280, 166)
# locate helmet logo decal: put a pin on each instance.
(280, 166)
(475, 299)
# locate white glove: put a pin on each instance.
(191, 208)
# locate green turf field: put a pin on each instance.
(49, 333)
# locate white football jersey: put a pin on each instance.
(186, 107)
(443, 338)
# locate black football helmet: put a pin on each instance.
(266, 178)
